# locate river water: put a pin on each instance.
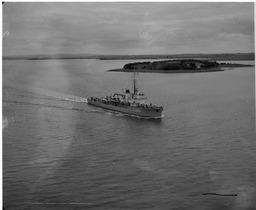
(61, 153)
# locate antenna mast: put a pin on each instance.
(134, 81)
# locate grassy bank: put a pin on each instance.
(166, 71)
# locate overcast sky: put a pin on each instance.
(127, 28)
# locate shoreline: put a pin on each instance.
(214, 56)
(235, 65)
(166, 71)
(182, 71)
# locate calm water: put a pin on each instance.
(61, 153)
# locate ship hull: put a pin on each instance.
(131, 110)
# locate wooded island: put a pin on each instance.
(173, 66)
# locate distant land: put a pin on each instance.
(222, 56)
(177, 66)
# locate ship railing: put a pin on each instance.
(149, 106)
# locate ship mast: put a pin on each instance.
(134, 81)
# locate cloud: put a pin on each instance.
(121, 28)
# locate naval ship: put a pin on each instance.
(130, 102)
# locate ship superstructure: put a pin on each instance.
(129, 102)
